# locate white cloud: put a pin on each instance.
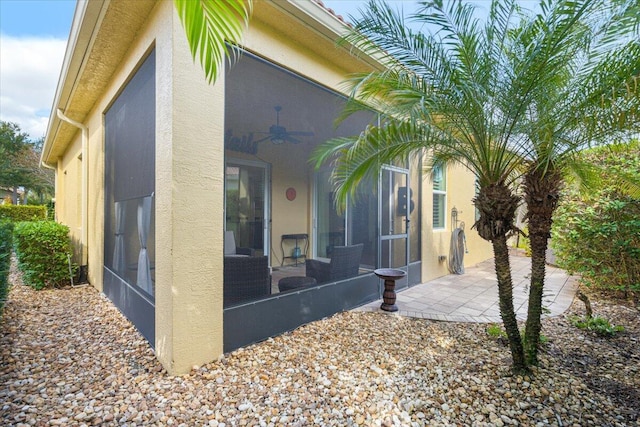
(29, 71)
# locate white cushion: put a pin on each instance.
(229, 243)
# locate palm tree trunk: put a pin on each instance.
(505, 295)
(536, 290)
(542, 191)
(497, 206)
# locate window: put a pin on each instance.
(439, 196)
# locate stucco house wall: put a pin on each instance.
(460, 192)
(111, 40)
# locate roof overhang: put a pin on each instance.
(101, 33)
(103, 30)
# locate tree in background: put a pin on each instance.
(12, 143)
(20, 163)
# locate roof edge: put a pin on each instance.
(84, 26)
(326, 22)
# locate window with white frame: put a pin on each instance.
(439, 195)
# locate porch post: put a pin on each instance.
(189, 205)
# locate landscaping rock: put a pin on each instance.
(70, 358)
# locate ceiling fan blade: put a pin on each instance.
(300, 133)
(278, 134)
(263, 139)
(291, 139)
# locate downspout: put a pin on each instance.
(47, 166)
(84, 232)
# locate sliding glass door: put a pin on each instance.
(246, 204)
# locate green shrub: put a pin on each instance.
(523, 241)
(43, 249)
(51, 210)
(597, 233)
(600, 241)
(599, 325)
(17, 213)
(6, 244)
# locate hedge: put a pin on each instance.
(6, 243)
(600, 241)
(17, 213)
(43, 249)
(597, 234)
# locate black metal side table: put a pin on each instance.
(298, 238)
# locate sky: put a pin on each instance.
(33, 39)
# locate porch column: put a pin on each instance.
(189, 206)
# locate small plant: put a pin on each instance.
(523, 242)
(597, 324)
(496, 331)
(43, 249)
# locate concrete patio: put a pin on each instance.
(473, 296)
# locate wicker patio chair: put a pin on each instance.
(245, 279)
(345, 262)
(230, 247)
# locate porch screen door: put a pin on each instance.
(246, 201)
(394, 220)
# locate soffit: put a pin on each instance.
(313, 27)
(94, 58)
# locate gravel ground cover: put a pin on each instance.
(68, 357)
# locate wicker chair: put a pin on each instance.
(345, 262)
(230, 247)
(245, 279)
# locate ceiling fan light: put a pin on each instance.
(277, 141)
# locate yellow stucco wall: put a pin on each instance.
(436, 243)
(189, 186)
(68, 193)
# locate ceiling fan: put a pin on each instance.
(278, 134)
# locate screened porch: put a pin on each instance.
(283, 233)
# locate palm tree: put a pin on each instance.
(451, 94)
(592, 98)
(209, 25)
(464, 94)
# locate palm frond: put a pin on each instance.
(209, 25)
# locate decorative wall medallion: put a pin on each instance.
(291, 194)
